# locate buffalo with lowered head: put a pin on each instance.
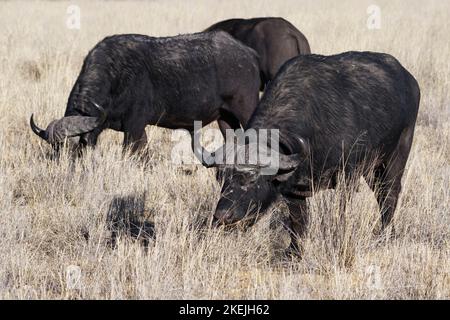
(274, 39)
(357, 108)
(130, 81)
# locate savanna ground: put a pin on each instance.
(111, 227)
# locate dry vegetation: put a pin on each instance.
(138, 231)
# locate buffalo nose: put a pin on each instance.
(221, 218)
(215, 222)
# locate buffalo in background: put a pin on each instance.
(274, 39)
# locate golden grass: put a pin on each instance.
(98, 214)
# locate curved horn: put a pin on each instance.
(38, 131)
(72, 126)
(199, 151)
(102, 111)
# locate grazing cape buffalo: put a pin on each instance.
(329, 110)
(130, 81)
(274, 39)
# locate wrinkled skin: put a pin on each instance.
(355, 108)
(244, 194)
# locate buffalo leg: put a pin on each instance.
(387, 179)
(239, 108)
(197, 149)
(387, 188)
(88, 140)
(136, 140)
(298, 223)
(227, 121)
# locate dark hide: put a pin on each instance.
(274, 39)
(169, 82)
(356, 108)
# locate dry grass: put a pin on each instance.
(137, 231)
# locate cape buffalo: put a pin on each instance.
(130, 81)
(329, 110)
(274, 39)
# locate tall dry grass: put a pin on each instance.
(137, 231)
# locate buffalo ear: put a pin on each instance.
(287, 166)
(289, 163)
(292, 161)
